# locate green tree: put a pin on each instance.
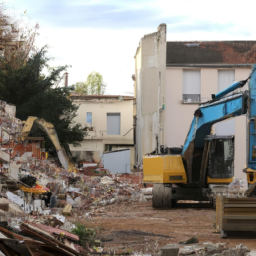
(34, 94)
(81, 87)
(94, 85)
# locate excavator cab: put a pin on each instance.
(220, 159)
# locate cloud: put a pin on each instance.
(113, 15)
(200, 25)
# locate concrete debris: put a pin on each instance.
(208, 249)
(78, 202)
(147, 191)
(68, 226)
(142, 198)
(170, 250)
(251, 253)
(192, 240)
(42, 200)
(107, 180)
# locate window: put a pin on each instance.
(191, 86)
(113, 123)
(89, 119)
(225, 78)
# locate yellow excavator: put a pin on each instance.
(49, 129)
(206, 162)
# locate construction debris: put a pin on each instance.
(209, 248)
(37, 194)
(41, 202)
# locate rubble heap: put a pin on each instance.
(38, 194)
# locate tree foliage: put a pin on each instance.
(23, 84)
(81, 87)
(17, 38)
(94, 85)
(34, 95)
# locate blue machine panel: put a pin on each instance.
(252, 138)
(214, 113)
(252, 113)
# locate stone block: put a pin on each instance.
(170, 250)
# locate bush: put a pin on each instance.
(86, 235)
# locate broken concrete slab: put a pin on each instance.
(107, 180)
(170, 250)
(78, 202)
(68, 226)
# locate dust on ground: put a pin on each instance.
(136, 226)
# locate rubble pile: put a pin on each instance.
(209, 248)
(37, 195)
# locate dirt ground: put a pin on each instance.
(137, 227)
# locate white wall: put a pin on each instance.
(150, 66)
(99, 110)
(93, 145)
(178, 115)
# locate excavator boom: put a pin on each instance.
(49, 129)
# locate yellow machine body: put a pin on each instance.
(251, 175)
(221, 181)
(164, 169)
(170, 169)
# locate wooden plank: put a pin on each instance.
(244, 209)
(235, 227)
(6, 250)
(240, 213)
(240, 222)
(219, 212)
(240, 199)
(238, 205)
(239, 217)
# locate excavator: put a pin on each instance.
(49, 129)
(205, 162)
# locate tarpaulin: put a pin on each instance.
(37, 189)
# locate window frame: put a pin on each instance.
(223, 70)
(193, 95)
(113, 114)
(87, 119)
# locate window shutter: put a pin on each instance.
(225, 78)
(113, 123)
(191, 86)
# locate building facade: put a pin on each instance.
(108, 120)
(173, 78)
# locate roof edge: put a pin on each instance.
(203, 65)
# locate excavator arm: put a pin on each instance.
(49, 129)
(220, 108)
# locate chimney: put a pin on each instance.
(66, 79)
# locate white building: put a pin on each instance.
(108, 120)
(173, 78)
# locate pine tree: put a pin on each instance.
(34, 94)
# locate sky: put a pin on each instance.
(103, 35)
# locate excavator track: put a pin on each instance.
(162, 196)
